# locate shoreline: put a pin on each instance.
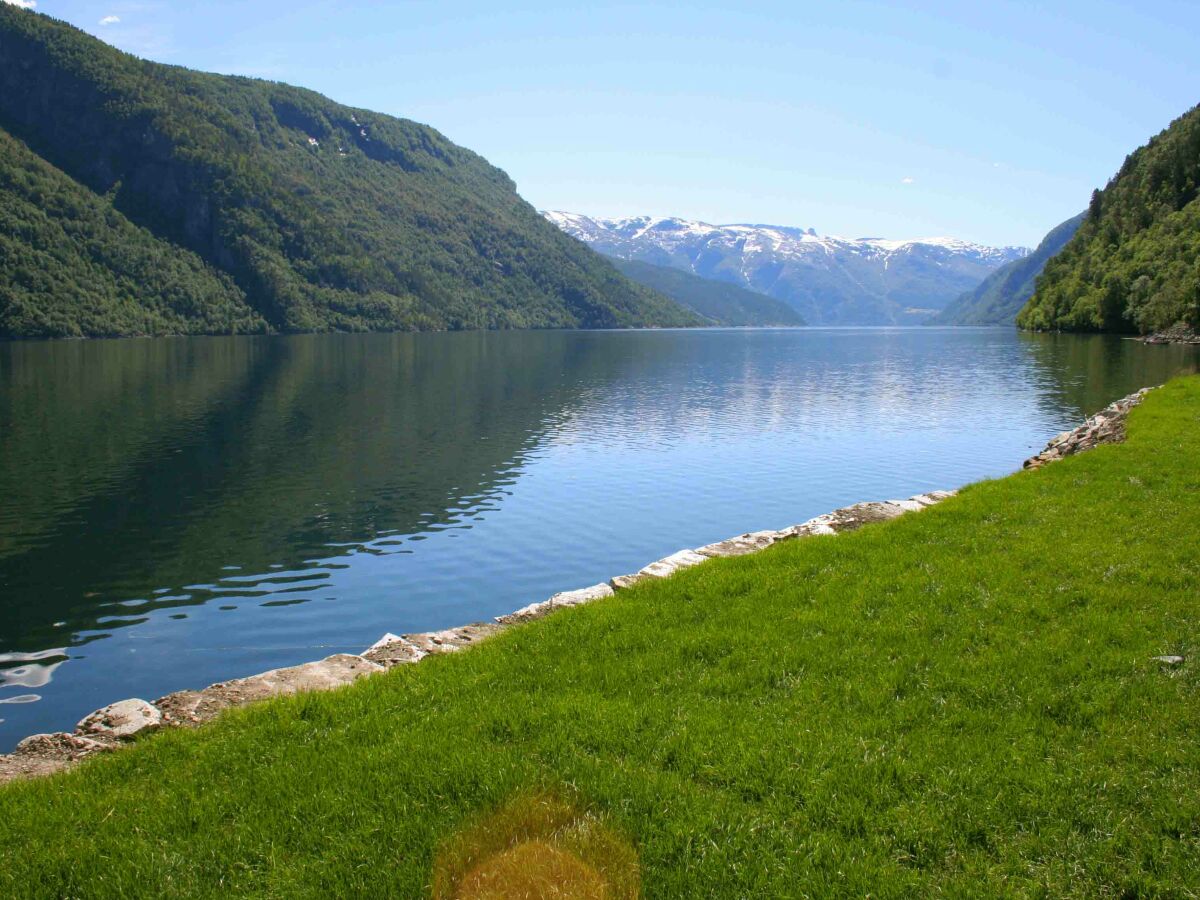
(117, 725)
(1177, 335)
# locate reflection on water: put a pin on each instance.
(176, 512)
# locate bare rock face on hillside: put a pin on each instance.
(1105, 427)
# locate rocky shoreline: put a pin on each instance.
(119, 724)
(1105, 427)
(1180, 334)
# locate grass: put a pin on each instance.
(959, 702)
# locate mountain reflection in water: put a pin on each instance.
(176, 512)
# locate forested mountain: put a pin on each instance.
(269, 207)
(1002, 294)
(70, 264)
(1134, 264)
(719, 302)
(827, 280)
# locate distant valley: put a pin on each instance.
(1000, 296)
(826, 280)
(717, 302)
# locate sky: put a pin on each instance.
(989, 122)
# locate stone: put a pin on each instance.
(45, 754)
(452, 639)
(669, 565)
(60, 744)
(194, 707)
(1169, 660)
(851, 518)
(121, 721)
(941, 495)
(322, 675)
(558, 601)
(393, 650)
(183, 709)
(1105, 427)
(388, 638)
(932, 498)
(662, 568)
(812, 528)
(750, 542)
(621, 582)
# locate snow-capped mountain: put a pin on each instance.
(828, 280)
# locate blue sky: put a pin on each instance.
(989, 121)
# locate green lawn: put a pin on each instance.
(958, 702)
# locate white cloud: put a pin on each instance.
(110, 20)
(24, 4)
(907, 180)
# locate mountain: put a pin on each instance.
(1002, 294)
(71, 265)
(1134, 264)
(828, 280)
(719, 302)
(270, 208)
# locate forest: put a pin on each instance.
(1134, 264)
(260, 206)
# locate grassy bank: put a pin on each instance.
(960, 701)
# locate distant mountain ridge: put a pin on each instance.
(827, 280)
(272, 208)
(1002, 294)
(719, 302)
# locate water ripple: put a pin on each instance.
(265, 501)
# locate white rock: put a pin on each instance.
(558, 601)
(184, 708)
(392, 650)
(621, 582)
(121, 720)
(60, 744)
(322, 675)
(812, 528)
(669, 565)
(1169, 660)
(451, 640)
(388, 638)
(751, 542)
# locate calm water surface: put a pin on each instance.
(178, 512)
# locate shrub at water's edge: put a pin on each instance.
(944, 703)
(1134, 264)
(273, 207)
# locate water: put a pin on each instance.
(178, 512)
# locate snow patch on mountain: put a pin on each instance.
(828, 279)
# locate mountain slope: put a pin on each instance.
(1002, 294)
(323, 216)
(720, 302)
(1134, 264)
(71, 265)
(828, 280)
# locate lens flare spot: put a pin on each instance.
(537, 847)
